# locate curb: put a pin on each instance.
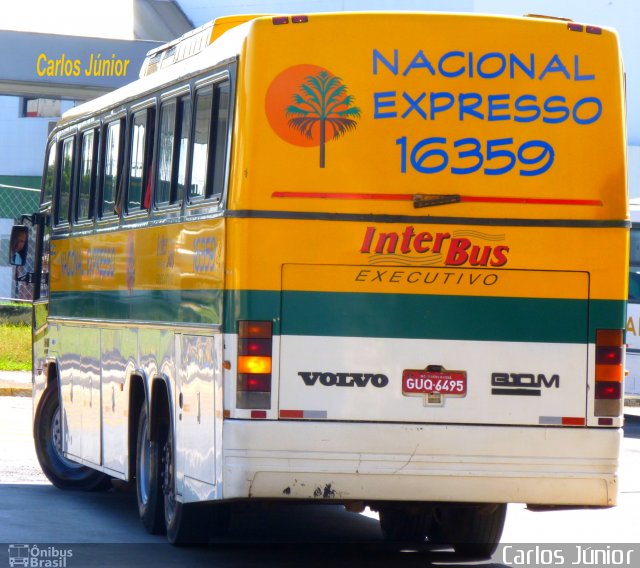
(15, 391)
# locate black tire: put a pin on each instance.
(47, 434)
(408, 524)
(149, 476)
(189, 523)
(474, 531)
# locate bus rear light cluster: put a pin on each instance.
(299, 19)
(573, 27)
(255, 347)
(609, 372)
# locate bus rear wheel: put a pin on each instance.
(189, 523)
(408, 523)
(473, 530)
(47, 433)
(148, 476)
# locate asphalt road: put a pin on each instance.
(102, 529)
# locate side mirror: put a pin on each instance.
(19, 245)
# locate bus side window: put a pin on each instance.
(166, 153)
(634, 264)
(141, 155)
(171, 171)
(87, 181)
(66, 178)
(210, 141)
(185, 110)
(49, 175)
(200, 144)
(112, 165)
(219, 140)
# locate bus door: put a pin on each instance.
(197, 414)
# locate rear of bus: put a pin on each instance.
(427, 244)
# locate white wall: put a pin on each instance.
(91, 18)
(23, 140)
(6, 272)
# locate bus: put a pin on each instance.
(369, 259)
(632, 380)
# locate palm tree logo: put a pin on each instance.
(322, 103)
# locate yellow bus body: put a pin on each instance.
(409, 199)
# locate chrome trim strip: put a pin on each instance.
(176, 326)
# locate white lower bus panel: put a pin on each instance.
(421, 462)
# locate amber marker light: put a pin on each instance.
(254, 365)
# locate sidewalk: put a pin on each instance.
(15, 383)
(632, 407)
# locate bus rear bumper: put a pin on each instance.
(420, 462)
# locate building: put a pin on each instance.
(44, 74)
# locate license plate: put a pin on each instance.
(421, 382)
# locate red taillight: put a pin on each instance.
(253, 384)
(254, 347)
(279, 20)
(300, 19)
(609, 355)
(609, 372)
(608, 390)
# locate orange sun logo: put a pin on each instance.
(307, 105)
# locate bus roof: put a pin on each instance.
(224, 46)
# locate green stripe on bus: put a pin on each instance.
(165, 306)
(357, 315)
(426, 316)
(434, 317)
